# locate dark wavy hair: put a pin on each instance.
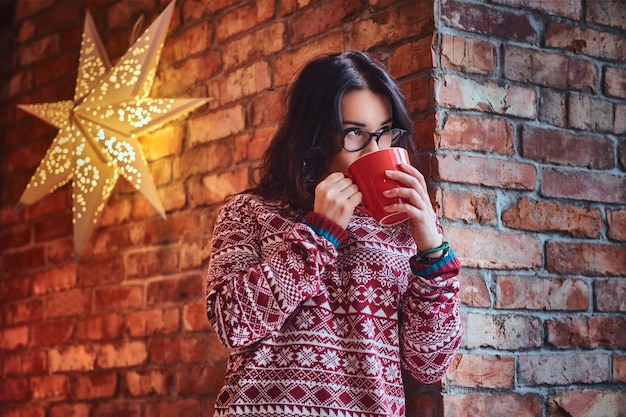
(311, 130)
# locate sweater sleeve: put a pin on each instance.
(251, 292)
(431, 330)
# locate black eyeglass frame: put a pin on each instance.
(377, 135)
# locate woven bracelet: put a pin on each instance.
(444, 246)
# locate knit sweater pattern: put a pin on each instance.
(317, 330)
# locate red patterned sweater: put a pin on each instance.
(323, 331)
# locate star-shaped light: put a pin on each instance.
(98, 129)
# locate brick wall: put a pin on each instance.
(530, 128)
(526, 111)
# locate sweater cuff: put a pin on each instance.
(432, 270)
(325, 227)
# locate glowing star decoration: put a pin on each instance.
(98, 129)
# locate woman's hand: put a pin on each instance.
(418, 206)
(336, 197)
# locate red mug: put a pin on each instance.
(368, 172)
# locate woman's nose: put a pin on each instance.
(372, 146)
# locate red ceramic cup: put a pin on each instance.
(368, 172)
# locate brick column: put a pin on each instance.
(530, 104)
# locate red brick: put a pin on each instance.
(179, 226)
(616, 222)
(126, 354)
(192, 41)
(101, 269)
(393, 25)
(474, 291)
(117, 409)
(488, 371)
(150, 322)
(549, 69)
(39, 50)
(113, 240)
(217, 125)
(70, 410)
(619, 368)
(610, 295)
(566, 8)
(483, 404)
(287, 64)
(195, 317)
(244, 18)
(316, 20)
(26, 157)
(619, 128)
(183, 288)
(563, 369)
(184, 407)
(159, 260)
(71, 358)
(185, 74)
(474, 207)
(489, 97)
(172, 197)
(67, 303)
(14, 288)
(589, 113)
(583, 185)
(591, 259)
(607, 12)
(163, 142)
(411, 57)
(487, 172)
(103, 327)
(193, 254)
(19, 260)
(614, 82)
(257, 45)
(590, 42)
(548, 216)
(587, 332)
(541, 293)
(55, 279)
(51, 387)
(118, 297)
(93, 386)
(48, 333)
(12, 338)
(26, 363)
(418, 93)
(586, 402)
(266, 108)
(489, 248)
(468, 55)
(488, 20)
(504, 331)
(553, 107)
(252, 147)
(243, 82)
(212, 189)
(199, 380)
(146, 383)
(15, 389)
(480, 134)
(23, 311)
(203, 159)
(562, 147)
(52, 227)
(178, 350)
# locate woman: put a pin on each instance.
(322, 306)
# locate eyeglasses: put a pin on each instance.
(355, 139)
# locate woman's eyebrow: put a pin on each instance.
(349, 122)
